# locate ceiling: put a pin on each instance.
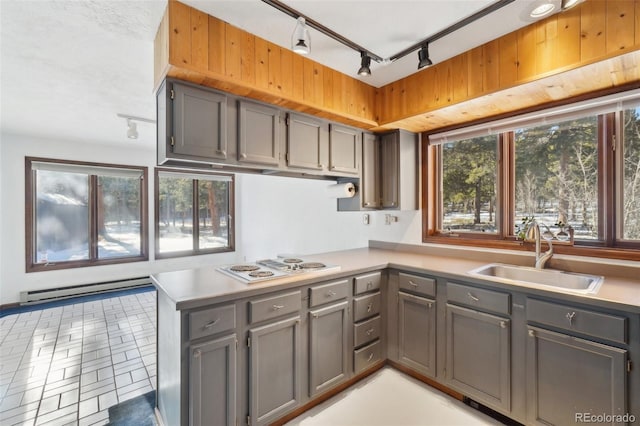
(87, 61)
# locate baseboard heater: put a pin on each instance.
(51, 294)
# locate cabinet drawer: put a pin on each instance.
(330, 292)
(366, 306)
(212, 321)
(366, 357)
(596, 324)
(367, 331)
(367, 282)
(480, 298)
(414, 283)
(273, 307)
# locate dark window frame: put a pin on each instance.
(195, 214)
(93, 260)
(609, 191)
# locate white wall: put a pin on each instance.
(274, 215)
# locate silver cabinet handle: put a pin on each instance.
(197, 353)
(411, 283)
(316, 315)
(532, 333)
(211, 323)
(472, 297)
(369, 306)
(243, 156)
(503, 324)
(321, 166)
(221, 152)
(429, 305)
(370, 357)
(570, 317)
(370, 331)
(331, 293)
(277, 307)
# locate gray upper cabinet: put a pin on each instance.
(307, 142)
(370, 178)
(567, 376)
(192, 124)
(212, 382)
(399, 170)
(478, 360)
(417, 333)
(274, 370)
(328, 346)
(258, 134)
(345, 145)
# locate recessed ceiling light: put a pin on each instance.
(542, 9)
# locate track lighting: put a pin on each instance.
(365, 62)
(568, 4)
(132, 127)
(300, 39)
(423, 57)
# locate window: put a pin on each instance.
(573, 167)
(194, 213)
(83, 214)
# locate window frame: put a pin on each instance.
(30, 219)
(195, 213)
(609, 188)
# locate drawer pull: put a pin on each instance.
(197, 353)
(316, 315)
(429, 305)
(221, 152)
(277, 307)
(370, 331)
(472, 297)
(413, 284)
(331, 293)
(211, 323)
(369, 307)
(532, 333)
(570, 317)
(369, 284)
(503, 324)
(370, 357)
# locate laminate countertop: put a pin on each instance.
(193, 288)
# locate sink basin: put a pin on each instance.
(546, 278)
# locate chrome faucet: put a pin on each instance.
(534, 234)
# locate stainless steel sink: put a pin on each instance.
(546, 278)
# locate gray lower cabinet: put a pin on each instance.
(417, 333)
(212, 382)
(258, 134)
(307, 142)
(345, 145)
(328, 347)
(274, 370)
(478, 360)
(569, 377)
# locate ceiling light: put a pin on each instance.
(365, 62)
(567, 4)
(423, 57)
(132, 131)
(300, 39)
(541, 8)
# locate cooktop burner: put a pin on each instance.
(312, 265)
(244, 268)
(268, 269)
(261, 274)
(292, 260)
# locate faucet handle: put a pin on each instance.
(530, 233)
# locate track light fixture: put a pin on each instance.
(300, 39)
(568, 4)
(132, 127)
(365, 62)
(423, 57)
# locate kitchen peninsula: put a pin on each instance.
(259, 344)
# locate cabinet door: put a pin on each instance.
(274, 370)
(390, 173)
(479, 356)
(328, 330)
(370, 184)
(199, 123)
(568, 376)
(307, 142)
(417, 333)
(212, 382)
(344, 149)
(258, 134)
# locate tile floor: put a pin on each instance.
(69, 364)
(389, 397)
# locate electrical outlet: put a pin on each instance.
(365, 218)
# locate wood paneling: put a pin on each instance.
(592, 30)
(620, 25)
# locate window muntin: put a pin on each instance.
(194, 213)
(83, 214)
(556, 176)
(468, 183)
(630, 195)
